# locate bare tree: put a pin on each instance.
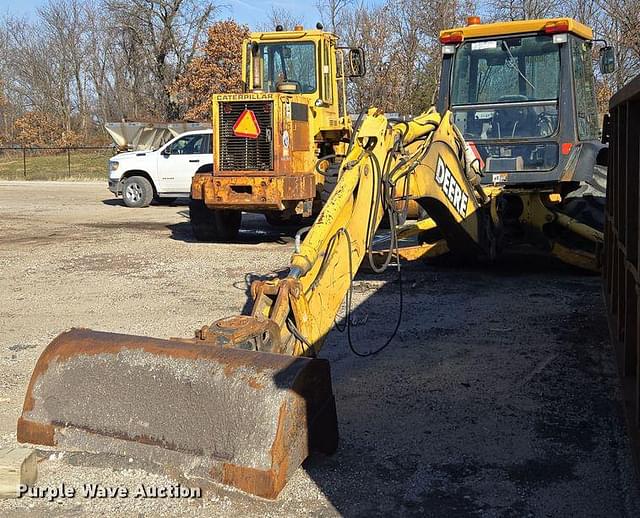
(279, 16)
(522, 9)
(160, 37)
(79, 63)
(332, 11)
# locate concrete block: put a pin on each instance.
(17, 466)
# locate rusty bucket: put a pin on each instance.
(243, 418)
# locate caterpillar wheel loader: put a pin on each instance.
(268, 139)
(246, 399)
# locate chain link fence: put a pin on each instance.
(54, 163)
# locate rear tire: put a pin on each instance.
(330, 182)
(586, 205)
(213, 225)
(137, 192)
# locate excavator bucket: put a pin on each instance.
(243, 418)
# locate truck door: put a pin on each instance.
(179, 161)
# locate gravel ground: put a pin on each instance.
(498, 397)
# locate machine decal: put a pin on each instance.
(451, 188)
(285, 144)
(243, 97)
(247, 125)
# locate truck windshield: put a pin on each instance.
(506, 88)
(288, 67)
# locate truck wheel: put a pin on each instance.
(213, 225)
(137, 192)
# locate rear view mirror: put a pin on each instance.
(286, 52)
(607, 60)
(355, 62)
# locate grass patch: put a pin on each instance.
(78, 165)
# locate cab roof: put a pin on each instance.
(484, 30)
(290, 35)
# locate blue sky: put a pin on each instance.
(251, 12)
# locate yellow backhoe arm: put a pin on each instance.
(423, 159)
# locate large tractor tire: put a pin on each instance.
(587, 203)
(330, 182)
(587, 209)
(213, 225)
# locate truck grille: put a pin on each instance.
(241, 153)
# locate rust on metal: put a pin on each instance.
(255, 383)
(300, 140)
(250, 418)
(264, 483)
(36, 433)
(241, 190)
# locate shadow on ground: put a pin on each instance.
(117, 202)
(254, 231)
(498, 397)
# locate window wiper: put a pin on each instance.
(513, 63)
(485, 79)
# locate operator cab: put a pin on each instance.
(523, 95)
(307, 62)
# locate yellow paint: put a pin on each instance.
(487, 30)
(336, 244)
(304, 126)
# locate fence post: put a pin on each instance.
(24, 162)
(69, 161)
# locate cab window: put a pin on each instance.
(586, 111)
(190, 145)
(289, 67)
(506, 88)
(326, 74)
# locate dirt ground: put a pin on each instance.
(498, 397)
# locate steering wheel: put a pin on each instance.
(289, 87)
(510, 117)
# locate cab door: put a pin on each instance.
(178, 162)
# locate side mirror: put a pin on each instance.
(165, 152)
(607, 60)
(355, 63)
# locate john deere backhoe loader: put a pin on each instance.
(247, 399)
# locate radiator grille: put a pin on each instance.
(241, 153)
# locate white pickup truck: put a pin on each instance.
(163, 174)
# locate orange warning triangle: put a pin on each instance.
(247, 125)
